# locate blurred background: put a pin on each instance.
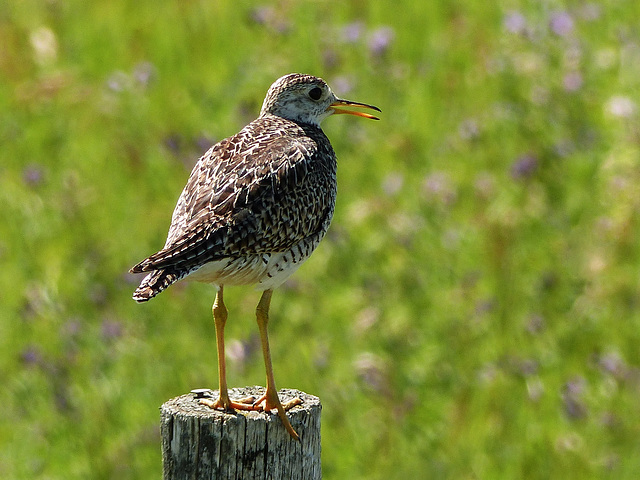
(474, 311)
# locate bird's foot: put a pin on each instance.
(265, 404)
(270, 401)
(226, 404)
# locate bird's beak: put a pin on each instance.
(346, 103)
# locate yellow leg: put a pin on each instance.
(270, 398)
(223, 401)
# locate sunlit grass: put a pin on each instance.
(473, 311)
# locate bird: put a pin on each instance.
(254, 208)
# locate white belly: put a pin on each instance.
(266, 271)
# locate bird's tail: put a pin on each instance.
(156, 282)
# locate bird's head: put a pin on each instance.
(307, 99)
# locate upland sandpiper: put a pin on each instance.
(254, 208)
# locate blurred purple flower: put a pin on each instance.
(31, 356)
(204, 143)
(330, 58)
(392, 183)
(352, 32)
(371, 370)
(564, 148)
(173, 142)
(535, 324)
(33, 175)
(572, 81)
(514, 22)
(613, 364)
(437, 186)
(71, 327)
(98, 294)
(484, 306)
(528, 367)
(342, 85)
(268, 16)
(262, 15)
(380, 40)
(468, 129)
(561, 23)
(118, 81)
(524, 167)
(576, 386)
(609, 420)
(574, 408)
(572, 394)
(111, 329)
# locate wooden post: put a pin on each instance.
(201, 443)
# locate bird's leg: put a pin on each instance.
(223, 401)
(220, 319)
(270, 398)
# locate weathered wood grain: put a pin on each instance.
(201, 443)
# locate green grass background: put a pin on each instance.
(474, 311)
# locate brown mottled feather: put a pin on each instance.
(253, 193)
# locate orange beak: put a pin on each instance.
(346, 103)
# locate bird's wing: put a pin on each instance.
(236, 194)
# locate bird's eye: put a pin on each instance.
(315, 93)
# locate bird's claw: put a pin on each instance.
(268, 402)
(226, 404)
(265, 405)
